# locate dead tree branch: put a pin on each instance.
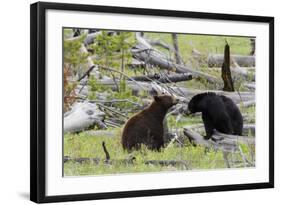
(107, 156)
(112, 110)
(117, 71)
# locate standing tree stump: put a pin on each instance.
(253, 46)
(176, 47)
(225, 70)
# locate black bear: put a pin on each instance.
(218, 112)
(146, 127)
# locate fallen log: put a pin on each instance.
(251, 86)
(247, 103)
(173, 163)
(83, 115)
(130, 161)
(136, 64)
(241, 72)
(98, 133)
(137, 86)
(196, 139)
(216, 60)
(236, 69)
(236, 97)
(164, 78)
(97, 161)
(247, 128)
(247, 73)
(183, 92)
(143, 51)
(188, 94)
(226, 143)
(199, 127)
(233, 138)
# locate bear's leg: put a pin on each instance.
(157, 142)
(238, 127)
(131, 141)
(225, 126)
(209, 128)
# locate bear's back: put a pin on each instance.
(143, 128)
(234, 114)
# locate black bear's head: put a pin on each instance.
(166, 101)
(198, 102)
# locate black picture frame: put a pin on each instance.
(38, 100)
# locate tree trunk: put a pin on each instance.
(176, 47)
(225, 71)
(253, 46)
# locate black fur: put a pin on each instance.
(218, 112)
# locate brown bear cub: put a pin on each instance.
(146, 127)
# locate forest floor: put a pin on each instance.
(89, 144)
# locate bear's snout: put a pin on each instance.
(175, 100)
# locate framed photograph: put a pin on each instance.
(129, 102)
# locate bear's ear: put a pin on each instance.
(156, 98)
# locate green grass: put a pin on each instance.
(205, 44)
(90, 146)
(83, 145)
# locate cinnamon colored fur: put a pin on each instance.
(146, 127)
